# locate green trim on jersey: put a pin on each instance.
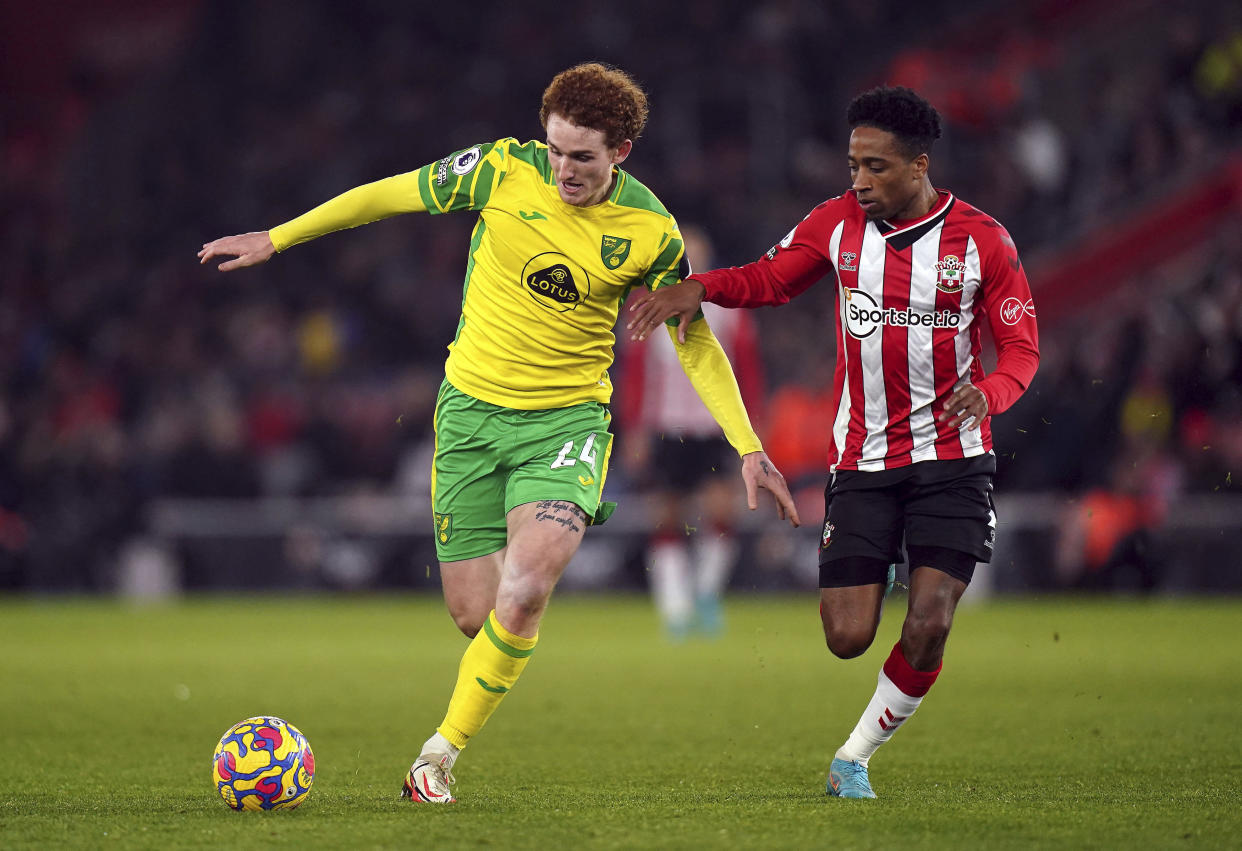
(631, 193)
(484, 183)
(533, 154)
(425, 191)
(667, 268)
(464, 180)
(476, 239)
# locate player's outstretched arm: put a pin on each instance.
(249, 249)
(653, 308)
(759, 472)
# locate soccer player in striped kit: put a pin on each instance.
(523, 429)
(911, 455)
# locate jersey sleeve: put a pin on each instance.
(707, 366)
(463, 180)
(670, 265)
(1010, 310)
(788, 268)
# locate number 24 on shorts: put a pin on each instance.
(587, 456)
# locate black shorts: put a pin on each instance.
(942, 509)
(683, 463)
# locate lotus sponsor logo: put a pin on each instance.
(1013, 309)
(556, 282)
(863, 315)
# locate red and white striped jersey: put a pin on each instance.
(909, 295)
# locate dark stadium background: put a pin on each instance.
(163, 426)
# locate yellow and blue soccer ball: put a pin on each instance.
(263, 763)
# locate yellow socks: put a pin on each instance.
(491, 665)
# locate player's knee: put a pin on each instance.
(531, 599)
(523, 597)
(847, 643)
(469, 626)
(469, 621)
(926, 629)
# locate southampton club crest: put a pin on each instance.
(613, 250)
(950, 274)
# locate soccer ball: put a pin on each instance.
(263, 763)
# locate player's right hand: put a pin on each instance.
(250, 249)
(651, 309)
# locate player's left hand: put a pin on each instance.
(966, 404)
(759, 472)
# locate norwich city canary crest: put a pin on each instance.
(444, 526)
(613, 250)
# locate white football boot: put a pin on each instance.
(429, 780)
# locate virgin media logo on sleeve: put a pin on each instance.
(1013, 309)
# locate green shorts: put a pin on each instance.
(490, 459)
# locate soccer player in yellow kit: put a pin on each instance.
(521, 422)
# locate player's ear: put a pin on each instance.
(623, 151)
(920, 164)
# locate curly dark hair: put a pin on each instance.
(597, 97)
(899, 111)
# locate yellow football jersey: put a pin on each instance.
(544, 279)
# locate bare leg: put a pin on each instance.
(543, 537)
(470, 589)
(850, 617)
(933, 600)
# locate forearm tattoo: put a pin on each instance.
(561, 512)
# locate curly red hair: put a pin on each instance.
(597, 97)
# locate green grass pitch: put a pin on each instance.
(1056, 723)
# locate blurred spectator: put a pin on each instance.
(684, 463)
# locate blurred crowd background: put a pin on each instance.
(163, 423)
